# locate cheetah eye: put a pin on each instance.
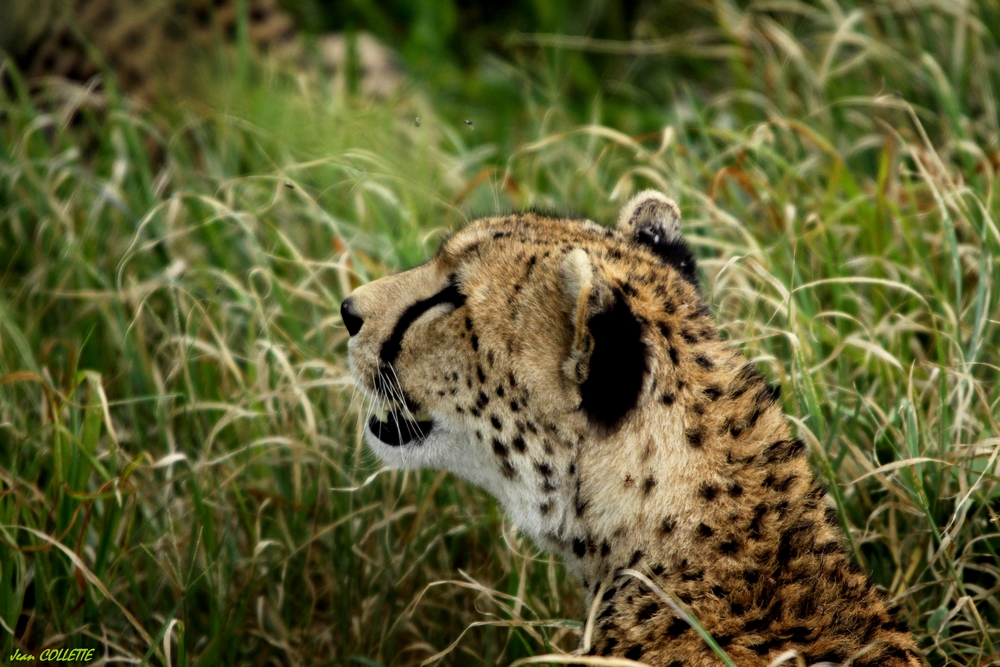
(449, 295)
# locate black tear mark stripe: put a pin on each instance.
(391, 347)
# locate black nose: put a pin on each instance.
(349, 314)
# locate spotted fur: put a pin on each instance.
(575, 372)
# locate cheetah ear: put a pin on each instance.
(585, 295)
(654, 220)
(607, 357)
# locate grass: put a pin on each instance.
(183, 479)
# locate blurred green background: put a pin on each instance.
(183, 478)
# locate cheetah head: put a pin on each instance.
(524, 340)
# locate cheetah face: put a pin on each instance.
(524, 333)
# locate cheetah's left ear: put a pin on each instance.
(654, 220)
(607, 357)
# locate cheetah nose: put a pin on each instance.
(348, 313)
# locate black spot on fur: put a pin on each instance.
(499, 448)
(634, 652)
(609, 646)
(677, 627)
(691, 339)
(694, 437)
(712, 393)
(617, 364)
(832, 516)
(895, 625)
(605, 548)
(646, 612)
(636, 557)
(729, 547)
(780, 508)
(704, 362)
(806, 607)
(667, 525)
(664, 330)
(508, 470)
(763, 648)
(519, 444)
(784, 450)
(747, 377)
(758, 516)
(668, 399)
(767, 395)
(480, 374)
(545, 507)
(579, 547)
(735, 490)
(497, 424)
(648, 485)
(771, 482)
(500, 391)
(796, 540)
(515, 406)
(704, 530)
(708, 491)
(475, 342)
(483, 400)
(673, 355)
(816, 489)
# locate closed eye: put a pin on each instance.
(449, 295)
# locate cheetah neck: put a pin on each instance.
(705, 492)
(702, 466)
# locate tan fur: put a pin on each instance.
(156, 46)
(700, 483)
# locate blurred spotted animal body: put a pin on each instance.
(575, 372)
(156, 47)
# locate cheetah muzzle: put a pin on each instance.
(575, 372)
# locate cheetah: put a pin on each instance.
(153, 46)
(575, 372)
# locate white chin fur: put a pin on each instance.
(404, 457)
(444, 449)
